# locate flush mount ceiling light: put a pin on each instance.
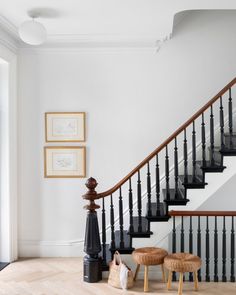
(32, 32)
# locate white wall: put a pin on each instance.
(134, 99)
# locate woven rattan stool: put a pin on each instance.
(182, 262)
(149, 256)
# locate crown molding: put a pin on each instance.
(8, 44)
(8, 35)
(99, 41)
(9, 27)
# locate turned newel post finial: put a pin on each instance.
(91, 194)
(91, 184)
(92, 243)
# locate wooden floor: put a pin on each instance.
(63, 276)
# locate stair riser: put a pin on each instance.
(213, 169)
(200, 172)
(143, 231)
(229, 139)
(217, 157)
(174, 200)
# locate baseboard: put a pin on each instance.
(33, 248)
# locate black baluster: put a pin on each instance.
(103, 232)
(221, 124)
(216, 278)
(203, 141)
(121, 221)
(212, 140)
(199, 246)
(194, 151)
(191, 244)
(176, 170)
(149, 190)
(139, 195)
(230, 118)
(185, 157)
(232, 250)
(157, 186)
(167, 175)
(207, 251)
(174, 245)
(112, 218)
(224, 279)
(131, 222)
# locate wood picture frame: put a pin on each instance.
(64, 162)
(65, 126)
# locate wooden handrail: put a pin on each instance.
(167, 141)
(202, 213)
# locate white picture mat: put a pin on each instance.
(65, 162)
(65, 127)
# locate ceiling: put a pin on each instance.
(103, 20)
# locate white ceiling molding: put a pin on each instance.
(8, 35)
(9, 27)
(101, 40)
(87, 40)
(90, 40)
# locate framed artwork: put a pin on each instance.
(61, 127)
(64, 162)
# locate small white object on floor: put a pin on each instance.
(123, 276)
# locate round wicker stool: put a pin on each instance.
(149, 256)
(182, 262)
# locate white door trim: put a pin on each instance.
(11, 216)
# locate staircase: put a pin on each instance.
(174, 192)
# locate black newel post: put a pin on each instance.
(92, 243)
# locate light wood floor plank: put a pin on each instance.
(64, 276)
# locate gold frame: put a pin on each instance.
(64, 113)
(64, 147)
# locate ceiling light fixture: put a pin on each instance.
(32, 32)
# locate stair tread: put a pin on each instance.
(158, 212)
(127, 247)
(143, 231)
(175, 200)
